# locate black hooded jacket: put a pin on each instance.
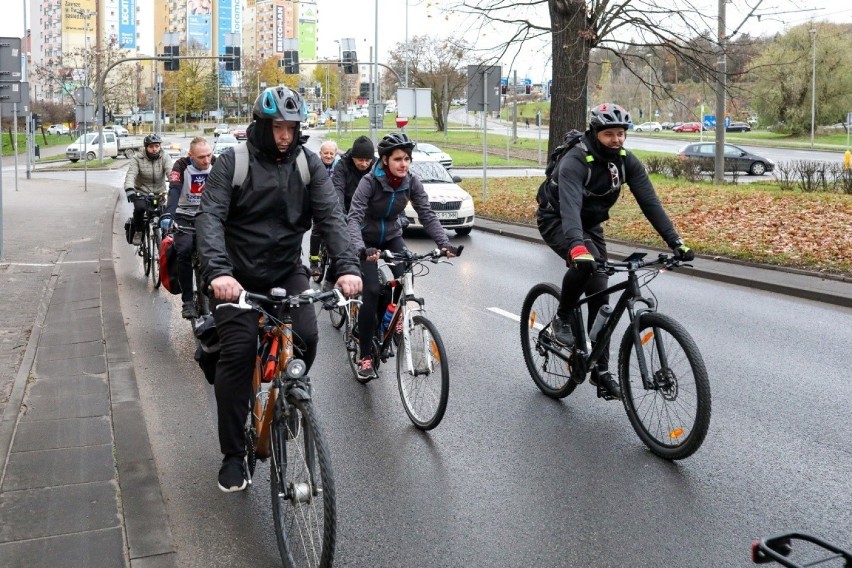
(254, 232)
(580, 207)
(346, 177)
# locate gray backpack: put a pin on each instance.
(241, 166)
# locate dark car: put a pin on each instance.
(735, 158)
(738, 127)
(239, 132)
(668, 125)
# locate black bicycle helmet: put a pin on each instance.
(609, 115)
(205, 331)
(152, 139)
(394, 141)
(280, 103)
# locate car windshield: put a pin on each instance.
(431, 172)
(428, 148)
(89, 138)
(225, 139)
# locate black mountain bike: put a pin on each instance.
(664, 384)
(152, 238)
(323, 262)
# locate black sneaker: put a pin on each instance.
(188, 310)
(562, 331)
(232, 474)
(608, 388)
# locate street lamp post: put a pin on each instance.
(813, 84)
(650, 89)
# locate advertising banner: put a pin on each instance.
(199, 18)
(279, 28)
(227, 12)
(307, 31)
(127, 24)
(75, 23)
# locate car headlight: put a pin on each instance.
(467, 197)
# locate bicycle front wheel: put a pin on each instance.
(338, 317)
(156, 241)
(303, 500)
(423, 373)
(146, 250)
(551, 374)
(323, 264)
(200, 299)
(672, 414)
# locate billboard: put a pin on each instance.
(127, 24)
(199, 18)
(307, 30)
(279, 28)
(229, 22)
(75, 23)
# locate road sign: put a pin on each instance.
(10, 59)
(710, 120)
(475, 82)
(414, 102)
(10, 92)
(84, 113)
(401, 121)
(7, 110)
(84, 95)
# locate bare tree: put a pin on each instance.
(628, 32)
(434, 64)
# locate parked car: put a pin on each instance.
(452, 204)
(738, 127)
(117, 128)
(667, 125)
(174, 150)
(240, 132)
(735, 158)
(58, 129)
(649, 127)
(87, 145)
(221, 129)
(689, 127)
(436, 153)
(223, 142)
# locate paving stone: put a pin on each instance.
(72, 351)
(45, 468)
(80, 385)
(131, 434)
(72, 332)
(93, 549)
(159, 561)
(60, 368)
(70, 433)
(145, 518)
(52, 511)
(68, 406)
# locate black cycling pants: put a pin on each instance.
(185, 245)
(140, 205)
(371, 309)
(579, 280)
(238, 339)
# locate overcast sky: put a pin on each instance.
(357, 20)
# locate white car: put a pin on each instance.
(223, 142)
(58, 129)
(452, 204)
(221, 129)
(436, 154)
(174, 150)
(649, 127)
(117, 128)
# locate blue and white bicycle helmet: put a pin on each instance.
(280, 103)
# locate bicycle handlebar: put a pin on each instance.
(637, 260)
(279, 298)
(406, 255)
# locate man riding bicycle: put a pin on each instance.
(330, 158)
(249, 236)
(146, 176)
(186, 183)
(588, 179)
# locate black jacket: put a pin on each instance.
(346, 177)
(254, 232)
(582, 207)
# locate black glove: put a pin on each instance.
(131, 195)
(453, 251)
(368, 252)
(681, 251)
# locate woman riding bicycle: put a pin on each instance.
(146, 175)
(373, 222)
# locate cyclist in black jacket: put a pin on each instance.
(250, 237)
(589, 178)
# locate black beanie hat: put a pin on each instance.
(363, 148)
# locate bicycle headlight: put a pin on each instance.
(296, 369)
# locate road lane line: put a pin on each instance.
(511, 316)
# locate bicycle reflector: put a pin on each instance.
(647, 337)
(296, 369)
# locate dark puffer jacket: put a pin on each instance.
(374, 213)
(346, 177)
(254, 232)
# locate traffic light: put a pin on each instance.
(350, 62)
(503, 88)
(290, 63)
(172, 64)
(527, 89)
(318, 91)
(232, 58)
(36, 122)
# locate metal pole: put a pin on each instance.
(373, 102)
(85, 104)
(514, 113)
(539, 140)
(1, 193)
(484, 132)
(29, 131)
(407, 52)
(721, 78)
(813, 85)
(15, 140)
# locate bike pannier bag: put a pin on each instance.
(168, 265)
(128, 230)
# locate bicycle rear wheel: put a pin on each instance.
(673, 416)
(156, 241)
(424, 386)
(551, 374)
(302, 488)
(323, 263)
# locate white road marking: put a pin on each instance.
(513, 317)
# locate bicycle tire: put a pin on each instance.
(338, 317)
(353, 351)
(199, 298)
(306, 521)
(424, 396)
(671, 420)
(322, 263)
(537, 311)
(146, 251)
(156, 241)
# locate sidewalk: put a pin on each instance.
(78, 485)
(791, 282)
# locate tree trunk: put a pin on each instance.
(572, 41)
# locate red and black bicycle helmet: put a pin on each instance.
(609, 115)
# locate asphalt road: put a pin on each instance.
(512, 478)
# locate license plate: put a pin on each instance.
(447, 214)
